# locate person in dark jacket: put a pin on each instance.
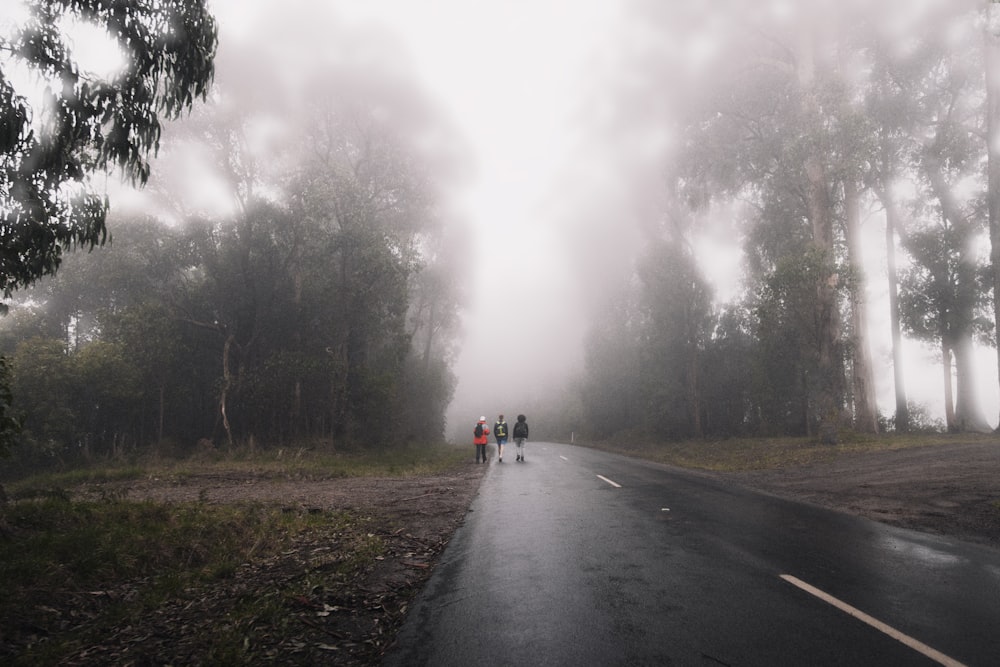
(520, 435)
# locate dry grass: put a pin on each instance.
(744, 454)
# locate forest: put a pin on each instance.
(307, 299)
(806, 130)
(293, 274)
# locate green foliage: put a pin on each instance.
(10, 425)
(48, 204)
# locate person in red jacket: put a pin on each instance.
(479, 438)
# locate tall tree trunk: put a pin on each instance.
(992, 59)
(865, 408)
(968, 412)
(949, 400)
(163, 401)
(828, 404)
(226, 384)
(891, 225)
(691, 373)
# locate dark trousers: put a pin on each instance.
(480, 451)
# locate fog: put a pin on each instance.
(519, 84)
(547, 128)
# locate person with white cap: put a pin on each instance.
(479, 438)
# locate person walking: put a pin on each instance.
(520, 435)
(480, 437)
(500, 433)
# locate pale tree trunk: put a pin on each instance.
(968, 413)
(865, 408)
(891, 225)
(949, 400)
(828, 406)
(992, 49)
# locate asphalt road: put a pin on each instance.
(578, 557)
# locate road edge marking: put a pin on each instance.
(614, 484)
(915, 644)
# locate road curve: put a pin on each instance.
(579, 557)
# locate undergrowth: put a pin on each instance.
(75, 570)
(288, 463)
(129, 558)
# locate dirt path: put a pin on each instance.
(335, 620)
(951, 489)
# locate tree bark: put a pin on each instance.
(949, 400)
(891, 225)
(992, 62)
(865, 408)
(226, 382)
(828, 404)
(958, 332)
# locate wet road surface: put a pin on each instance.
(579, 557)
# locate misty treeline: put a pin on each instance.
(287, 280)
(802, 128)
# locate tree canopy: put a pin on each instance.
(61, 123)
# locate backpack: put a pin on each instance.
(519, 430)
(500, 430)
(478, 432)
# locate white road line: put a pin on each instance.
(918, 646)
(617, 486)
(563, 457)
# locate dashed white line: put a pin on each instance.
(563, 457)
(916, 645)
(617, 486)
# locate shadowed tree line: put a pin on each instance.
(291, 282)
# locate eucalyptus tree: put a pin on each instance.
(675, 307)
(991, 66)
(767, 130)
(947, 163)
(62, 122)
(612, 400)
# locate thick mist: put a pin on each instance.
(568, 116)
(548, 137)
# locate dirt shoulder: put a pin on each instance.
(317, 616)
(951, 489)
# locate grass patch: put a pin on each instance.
(745, 454)
(300, 463)
(286, 463)
(79, 560)
(53, 483)
(88, 566)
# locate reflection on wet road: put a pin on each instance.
(577, 557)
